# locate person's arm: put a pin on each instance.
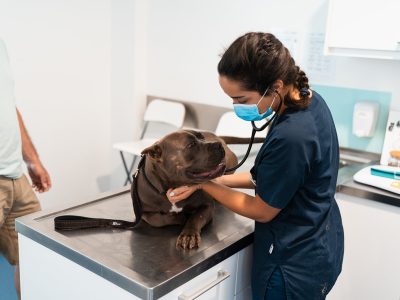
(41, 181)
(236, 180)
(251, 207)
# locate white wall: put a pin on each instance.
(128, 78)
(73, 68)
(186, 37)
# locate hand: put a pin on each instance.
(41, 181)
(181, 193)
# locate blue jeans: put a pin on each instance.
(276, 286)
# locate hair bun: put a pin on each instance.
(304, 92)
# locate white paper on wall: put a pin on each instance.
(307, 49)
(318, 67)
(290, 39)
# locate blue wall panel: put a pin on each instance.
(341, 103)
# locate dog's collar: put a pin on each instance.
(141, 167)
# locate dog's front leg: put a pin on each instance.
(189, 238)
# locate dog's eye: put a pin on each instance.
(192, 144)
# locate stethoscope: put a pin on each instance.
(253, 133)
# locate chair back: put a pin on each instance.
(230, 125)
(165, 111)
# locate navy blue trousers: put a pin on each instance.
(276, 286)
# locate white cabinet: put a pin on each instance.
(363, 28)
(371, 266)
(47, 275)
(243, 277)
(230, 279)
(244, 294)
(216, 283)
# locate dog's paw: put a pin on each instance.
(188, 240)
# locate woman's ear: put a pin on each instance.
(154, 151)
(278, 86)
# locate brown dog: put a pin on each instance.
(183, 157)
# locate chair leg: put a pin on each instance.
(131, 169)
(127, 171)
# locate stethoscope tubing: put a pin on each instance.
(253, 133)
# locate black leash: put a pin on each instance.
(71, 222)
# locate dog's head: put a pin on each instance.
(185, 157)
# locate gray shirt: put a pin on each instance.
(10, 135)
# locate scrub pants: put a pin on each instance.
(276, 286)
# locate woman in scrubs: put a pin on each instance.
(298, 238)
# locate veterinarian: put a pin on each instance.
(17, 197)
(298, 238)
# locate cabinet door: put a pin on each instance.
(371, 266)
(243, 277)
(47, 275)
(363, 28)
(214, 284)
(244, 294)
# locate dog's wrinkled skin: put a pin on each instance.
(184, 157)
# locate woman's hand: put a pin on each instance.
(182, 192)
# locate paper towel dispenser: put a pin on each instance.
(365, 117)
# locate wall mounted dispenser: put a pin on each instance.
(365, 116)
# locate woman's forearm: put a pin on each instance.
(249, 206)
(252, 207)
(237, 180)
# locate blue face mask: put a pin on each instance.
(249, 112)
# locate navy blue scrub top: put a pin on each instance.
(296, 170)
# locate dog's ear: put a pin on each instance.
(154, 151)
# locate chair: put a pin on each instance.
(164, 116)
(230, 125)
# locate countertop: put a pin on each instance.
(352, 162)
(348, 186)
